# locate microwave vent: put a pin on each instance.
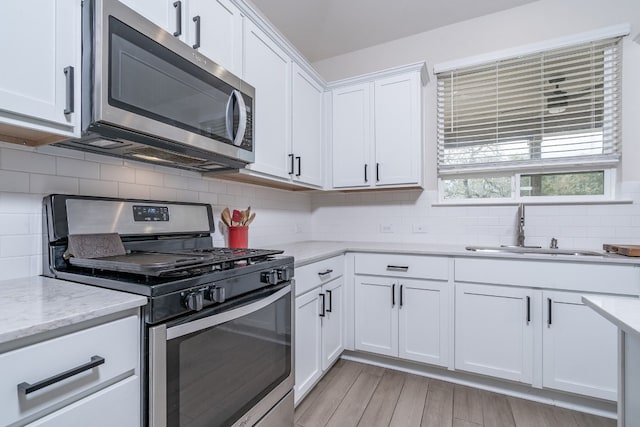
(158, 155)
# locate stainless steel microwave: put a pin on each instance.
(148, 96)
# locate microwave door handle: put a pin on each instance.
(242, 125)
(229, 117)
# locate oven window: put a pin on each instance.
(216, 375)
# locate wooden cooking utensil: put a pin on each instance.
(226, 217)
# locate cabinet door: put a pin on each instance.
(580, 347)
(163, 13)
(307, 129)
(492, 333)
(268, 68)
(352, 137)
(376, 315)
(333, 322)
(41, 40)
(220, 31)
(423, 321)
(307, 342)
(397, 119)
(117, 405)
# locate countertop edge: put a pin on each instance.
(617, 319)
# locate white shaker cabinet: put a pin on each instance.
(376, 316)
(40, 78)
(377, 130)
(213, 28)
(579, 347)
(351, 136)
(319, 321)
(305, 158)
(267, 67)
(494, 331)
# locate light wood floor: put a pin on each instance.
(354, 394)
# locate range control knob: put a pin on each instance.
(217, 294)
(284, 274)
(270, 277)
(194, 300)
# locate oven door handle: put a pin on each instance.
(226, 316)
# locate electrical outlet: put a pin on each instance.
(386, 228)
(297, 228)
(419, 228)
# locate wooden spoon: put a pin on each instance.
(251, 218)
(226, 217)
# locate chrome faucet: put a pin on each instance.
(520, 236)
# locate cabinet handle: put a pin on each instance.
(322, 312)
(393, 295)
(330, 302)
(404, 268)
(401, 292)
(178, 6)
(549, 304)
(68, 77)
(27, 388)
(196, 19)
(528, 309)
(377, 172)
(299, 159)
(291, 164)
(324, 273)
(365, 173)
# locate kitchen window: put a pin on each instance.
(542, 124)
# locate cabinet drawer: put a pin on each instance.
(574, 276)
(416, 266)
(313, 275)
(117, 342)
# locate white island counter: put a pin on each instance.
(624, 312)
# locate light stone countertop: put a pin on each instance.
(316, 250)
(624, 312)
(32, 305)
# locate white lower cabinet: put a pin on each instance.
(319, 331)
(494, 332)
(579, 354)
(401, 317)
(38, 384)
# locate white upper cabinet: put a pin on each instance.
(351, 136)
(215, 27)
(397, 123)
(268, 68)
(164, 13)
(306, 145)
(40, 78)
(212, 27)
(377, 130)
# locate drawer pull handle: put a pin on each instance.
(27, 388)
(324, 273)
(398, 267)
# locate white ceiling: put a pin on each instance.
(320, 29)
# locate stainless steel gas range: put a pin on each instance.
(218, 325)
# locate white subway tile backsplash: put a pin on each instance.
(15, 182)
(45, 184)
(103, 159)
(77, 168)
(162, 193)
(19, 245)
(109, 172)
(27, 161)
(133, 191)
(148, 177)
(176, 181)
(12, 224)
(15, 267)
(91, 187)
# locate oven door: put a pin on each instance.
(224, 366)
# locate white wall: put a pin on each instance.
(27, 174)
(358, 216)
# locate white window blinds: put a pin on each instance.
(559, 107)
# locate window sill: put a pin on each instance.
(531, 202)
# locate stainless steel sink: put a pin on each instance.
(533, 250)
